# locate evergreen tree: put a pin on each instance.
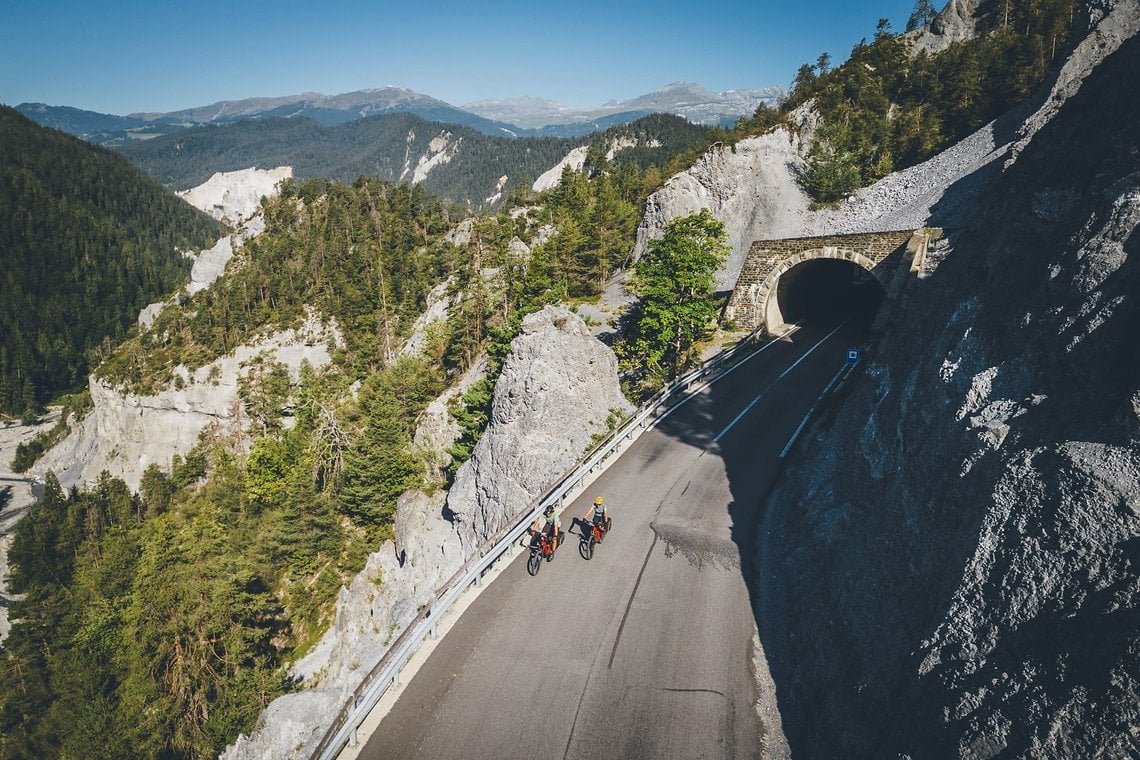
(922, 15)
(675, 281)
(87, 241)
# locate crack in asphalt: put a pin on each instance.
(629, 604)
(696, 691)
(574, 725)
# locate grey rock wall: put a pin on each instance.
(557, 389)
(750, 187)
(954, 23)
(953, 569)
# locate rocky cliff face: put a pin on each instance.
(954, 23)
(235, 197)
(953, 569)
(557, 389)
(750, 187)
(125, 433)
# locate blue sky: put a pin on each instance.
(127, 56)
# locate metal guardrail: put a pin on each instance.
(386, 673)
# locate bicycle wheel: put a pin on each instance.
(534, 563)
(586, 547)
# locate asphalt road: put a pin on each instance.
(646, 650)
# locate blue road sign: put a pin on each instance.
(852, 356)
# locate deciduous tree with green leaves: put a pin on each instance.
(675, 281)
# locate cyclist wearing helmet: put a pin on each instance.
(549, 524)
(598, 513)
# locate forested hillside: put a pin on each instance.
(886, 109)
(157, 624)
(86, 241)
(388, 146)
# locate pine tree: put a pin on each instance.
(675, 281)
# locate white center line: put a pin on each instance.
(770, 385)
(726, 373)
(787, 448)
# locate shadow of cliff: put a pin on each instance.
(848, 570)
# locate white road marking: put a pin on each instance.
(770, 385)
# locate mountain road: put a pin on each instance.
(648, 649)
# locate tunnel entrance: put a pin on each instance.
(828, 290)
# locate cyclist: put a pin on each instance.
(598, 513)
(549, 524)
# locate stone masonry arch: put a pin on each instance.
(766, 292)
(754, 300)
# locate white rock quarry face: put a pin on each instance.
(125, 433)
(236, 196)
(751, 188)
(556, 390)
(575, 159)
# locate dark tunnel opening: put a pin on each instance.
(829, 290)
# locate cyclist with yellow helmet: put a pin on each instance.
(598, 514)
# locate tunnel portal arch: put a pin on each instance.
(754, 301)
(769, 289)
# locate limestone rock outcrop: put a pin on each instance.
(954, 23)
(750, 187)
(235, 197)
(557, 389)
(437, 430)
(124, 433)
(952, 568)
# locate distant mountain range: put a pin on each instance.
(453, 162)
(688, 100)
(519, 117)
